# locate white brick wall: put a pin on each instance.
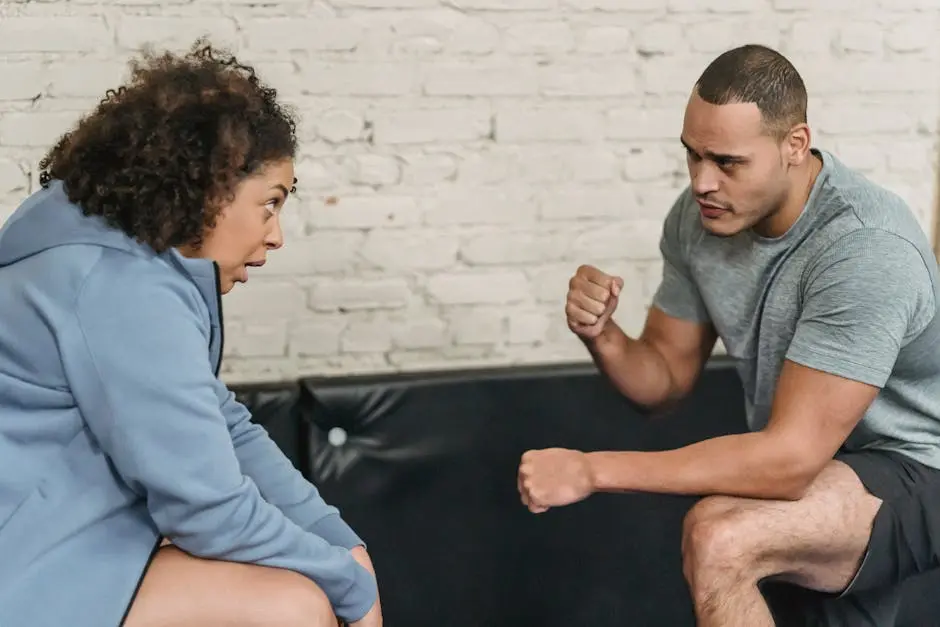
(460, 158)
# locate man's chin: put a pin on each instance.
(721, 227)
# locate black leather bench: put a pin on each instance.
(423, 465)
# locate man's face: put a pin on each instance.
(738, 171)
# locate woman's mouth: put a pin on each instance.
(243, 271)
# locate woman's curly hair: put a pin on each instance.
(159, 157)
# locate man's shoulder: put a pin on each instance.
(854, 204)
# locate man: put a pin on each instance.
(824, 289)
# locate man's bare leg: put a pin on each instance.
(180, 590)
(730, 544)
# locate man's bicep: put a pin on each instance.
(685, 345)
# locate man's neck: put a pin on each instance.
(800, 190)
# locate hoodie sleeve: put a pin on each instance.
(138, 367)
(279, 482)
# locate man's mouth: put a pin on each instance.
(710, 210)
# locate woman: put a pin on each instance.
(134, 489)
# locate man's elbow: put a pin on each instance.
(793, 489)
(795, 477)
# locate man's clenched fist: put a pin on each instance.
(592, 299)
(554, 477)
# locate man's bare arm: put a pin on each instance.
(655, 369)
(812, 415)
(659, 367)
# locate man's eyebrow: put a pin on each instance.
(714, 156)
(282, 188)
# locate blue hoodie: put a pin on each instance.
(115, 430)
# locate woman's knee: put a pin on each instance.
(300, 602)
(190, 590)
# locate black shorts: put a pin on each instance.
(905, 541)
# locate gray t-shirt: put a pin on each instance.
(850, 289)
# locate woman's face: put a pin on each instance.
(247, 228)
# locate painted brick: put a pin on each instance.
(588, 81)
(464, 80)
(572, 203)
(480, 205)
(71, 34)
(484, 287)
(367, 336)
(421, 169)
(35, 129)
(538, 164)
(603, 40)
(256, 338)
(409, 250)
(423, 126)
(278, 34)
(134, 31)
(22, 80)
(504, 247)
(422, 333)
(266, 298)
(339, 126)
(373, 170)
(352, 295)
(14, 179)
(658, 38)
(321, 252)
(350, 78)
(914, 34)
(539, 38)
(861, 37)
(613, 5)
(477, 325)
(351, 212)
(548, 124)
(317, 336)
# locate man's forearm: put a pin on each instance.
(636, 368)
(753, 465)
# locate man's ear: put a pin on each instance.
(798, 143)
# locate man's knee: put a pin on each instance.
(714, 539)
(300, 602)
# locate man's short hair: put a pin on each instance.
(757, 74)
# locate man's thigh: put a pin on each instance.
(816, 542)
(903, 541)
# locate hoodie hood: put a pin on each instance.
(48, 219)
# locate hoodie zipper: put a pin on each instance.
(218, 295)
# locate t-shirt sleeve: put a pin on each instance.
(677, 294)
(867, 296)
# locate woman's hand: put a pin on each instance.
(374, 617)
